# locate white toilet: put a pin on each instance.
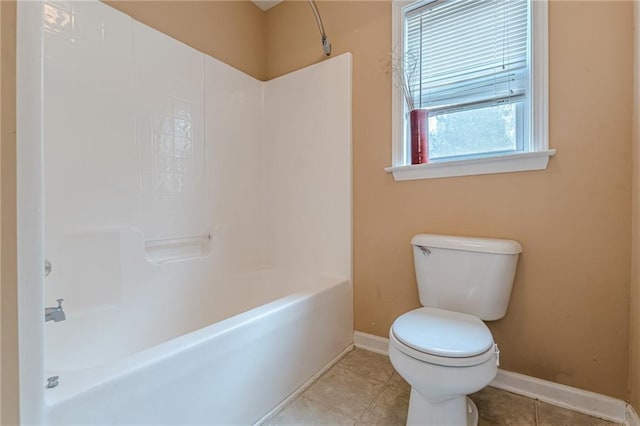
(444, 350)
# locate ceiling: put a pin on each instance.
(266, 4)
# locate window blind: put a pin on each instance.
(460, 52)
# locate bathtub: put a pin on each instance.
(281, 329)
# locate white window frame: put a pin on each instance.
(537, 152)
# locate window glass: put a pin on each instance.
(489, 129)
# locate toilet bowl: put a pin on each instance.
(444, 350)
(444, 356)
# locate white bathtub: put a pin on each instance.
(234, 371)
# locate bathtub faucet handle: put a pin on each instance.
(52, 381)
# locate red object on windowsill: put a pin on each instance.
(419, 136)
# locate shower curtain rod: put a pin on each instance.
(326, 45)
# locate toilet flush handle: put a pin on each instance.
(424, 250)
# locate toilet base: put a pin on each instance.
(472, 413)
(457, 411)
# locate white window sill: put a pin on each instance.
(519, 162)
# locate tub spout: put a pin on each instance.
(55, 314)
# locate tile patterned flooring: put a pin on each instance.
(363, 389)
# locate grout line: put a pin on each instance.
(325, 405)
(328, 407)
(384, 387)
(303, 394)
(355, 372)
(536, 405)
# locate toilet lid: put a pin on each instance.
(443, 333)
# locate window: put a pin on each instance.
(479, 68)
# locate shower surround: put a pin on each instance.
(198, 222)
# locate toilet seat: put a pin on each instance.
(443, 337)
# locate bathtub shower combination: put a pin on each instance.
(197, 223)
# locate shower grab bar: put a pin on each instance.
(165, 241)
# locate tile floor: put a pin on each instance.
(363, 389)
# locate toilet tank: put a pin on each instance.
(465, 274)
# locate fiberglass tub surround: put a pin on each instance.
(189, 209)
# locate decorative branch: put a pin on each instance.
(404, 71)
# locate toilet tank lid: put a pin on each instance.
(485, 245)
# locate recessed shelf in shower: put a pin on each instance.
(178, 248)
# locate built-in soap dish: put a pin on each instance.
(176, 249)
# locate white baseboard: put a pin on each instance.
(582, 401)
(590, 403)
(371, 343)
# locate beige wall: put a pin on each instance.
(8, 284)
(569, 315)
(231, 31)
(634, 340)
